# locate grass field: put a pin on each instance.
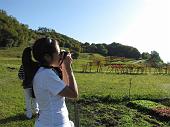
(103, 96)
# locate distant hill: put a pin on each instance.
(12, 33)
(15, 34)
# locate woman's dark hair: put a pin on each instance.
(30, 67)
(42, 47)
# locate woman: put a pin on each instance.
(49, 88)
(27, 75)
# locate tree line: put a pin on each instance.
(15, 34)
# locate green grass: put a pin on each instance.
(117, 115)
(12, 52)
(147, 104)
(157, 110)
(117, 86)
(12, 100)
(98, 94)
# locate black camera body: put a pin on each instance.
(64, 53)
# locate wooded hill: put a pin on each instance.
(15, 34)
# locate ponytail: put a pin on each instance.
(27, 58)
(29, 66)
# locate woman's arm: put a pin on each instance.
(65, 76)
(71, 90)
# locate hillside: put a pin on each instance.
(15, 34)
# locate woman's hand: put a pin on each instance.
(67, 62)
(66, 68)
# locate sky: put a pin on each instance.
(143, 24)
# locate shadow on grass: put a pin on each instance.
(17, 117)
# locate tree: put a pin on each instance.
(116, 49)
(75, 54)
(84, 47)
(155, 59)
(145, 55)
(12, 33)
(92, 48)
(101, 49)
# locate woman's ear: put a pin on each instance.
(47, 58)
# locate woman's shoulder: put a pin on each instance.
(47, 72)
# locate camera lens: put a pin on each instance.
(63, 56)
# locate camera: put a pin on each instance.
(63, 55)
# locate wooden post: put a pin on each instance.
(76, 111)
(130, 85)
